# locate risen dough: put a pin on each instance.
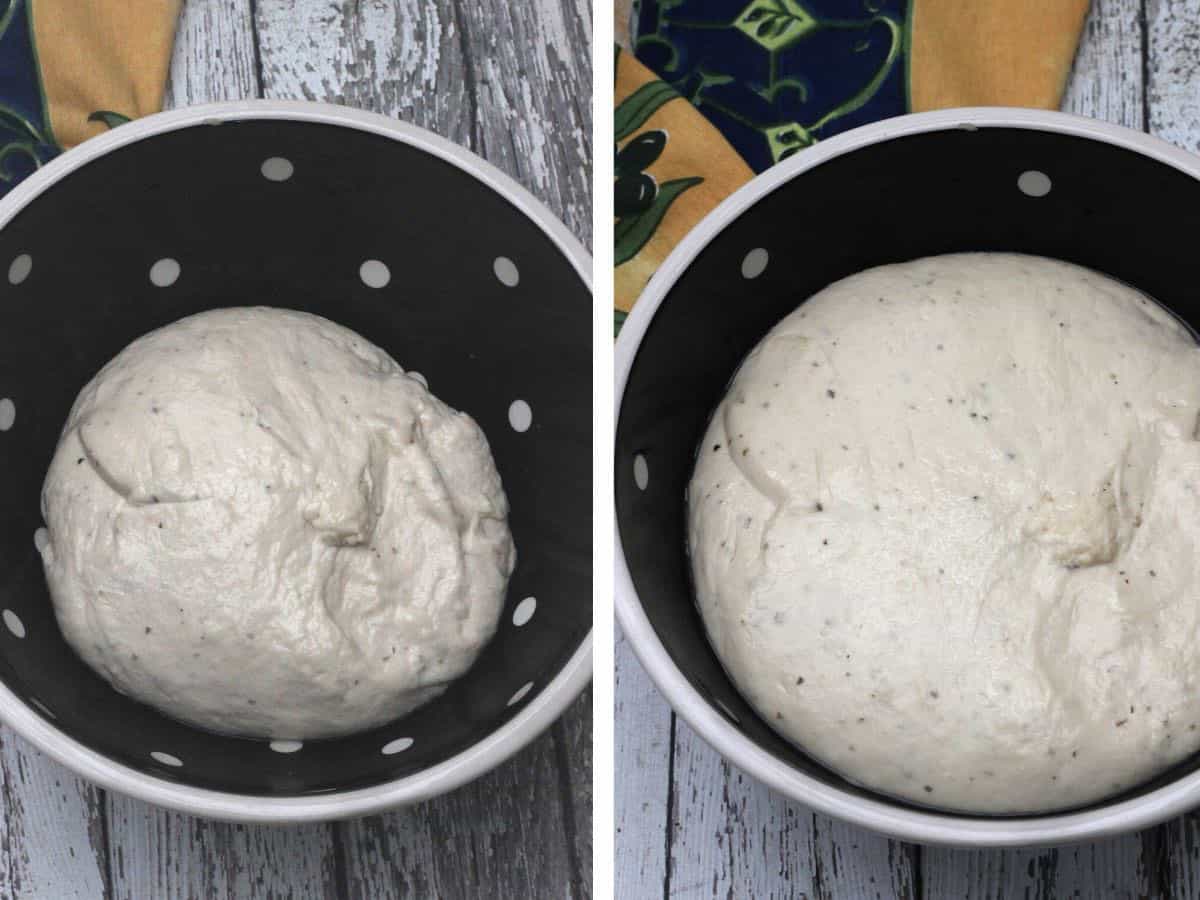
(945, 532)
(260, 525)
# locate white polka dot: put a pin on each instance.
(418, 377)
(520, 694)
(286, 746)
(374, 274)
(14, 623)
(641, 472)
(164, 273)
(520, 416)
(277, 169)
(399, 745)
(755, 263)
(19, 268)
(1034, 183)
(506, 271)
(41, 539)
(524, 611)
(166, 758)
(45, 710)
(8, 414)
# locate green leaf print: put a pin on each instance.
(640, 106)
(12, 120)
(109, 118)
(632, 232)
(619, 317)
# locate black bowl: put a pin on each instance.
(488, 298)
(962, 180)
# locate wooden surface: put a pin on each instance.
(689, 825)
(514, 84)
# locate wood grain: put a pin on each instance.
(54, 841)
(508, 834)
(1173, 70)
(744, 840)
(523, 830)
(214, 56)
(511, 86)
(162, 854)
(1108, 78)
(644, 746)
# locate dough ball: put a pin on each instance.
(260, 525)
(945, 525)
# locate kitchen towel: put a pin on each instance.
(70, 69)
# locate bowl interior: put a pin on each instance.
(1108, 208)
(484, 334)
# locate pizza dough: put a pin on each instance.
(260, 525)
(945, 532)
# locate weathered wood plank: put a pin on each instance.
(1107, 80)
(1117, 868)
(1173, 70)
(573, 755)
(169, 856)
(642, 734)
(1182, 862)
(214, 57)
(504, 835)
(510, 82)
(732, 837)
(53, 834)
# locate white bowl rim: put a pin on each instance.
(539, 712)
(878, 815)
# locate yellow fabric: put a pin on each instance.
(102, 55)
(1015, 53)
(694, 149)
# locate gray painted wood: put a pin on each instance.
(725, 835)
(515, 87)
(53, 831)
(525, 829)
(644, 741)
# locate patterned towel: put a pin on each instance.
(69, 69)
(735, 86)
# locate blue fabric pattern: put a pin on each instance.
(774, 76)
(26, 141)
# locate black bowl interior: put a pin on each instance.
(197, 196)
(955, 190)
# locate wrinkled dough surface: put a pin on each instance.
(944, 529)
(260, 525)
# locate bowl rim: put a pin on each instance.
(538, 713)
(876, 814)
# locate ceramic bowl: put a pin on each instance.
(962, 180)
(425, 250)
